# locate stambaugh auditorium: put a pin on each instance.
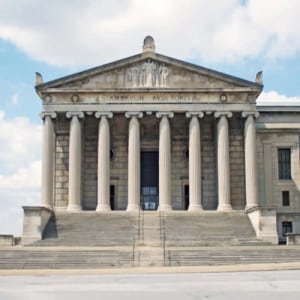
(154, 161)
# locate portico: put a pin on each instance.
(191, 154)
(100, 124)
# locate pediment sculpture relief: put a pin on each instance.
(148, 75)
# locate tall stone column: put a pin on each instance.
(134, 161)
(194, 161)
(103, 193)
(223, 161)
(250, 158)
(75, 161)
(164, 161)
(48, 160)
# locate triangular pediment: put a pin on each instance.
(151, 71)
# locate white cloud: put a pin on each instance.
(274, 98)
(20, 141)
(14, 99)
(20, 166)
(73, 33)
(16, 190)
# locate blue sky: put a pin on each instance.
(57, 38)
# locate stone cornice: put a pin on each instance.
(71, 114)
(136, 114)
(99, 114)
(152, 90)
(277, 126)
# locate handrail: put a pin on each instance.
(139, 225)
(133, 251)
(162, 234)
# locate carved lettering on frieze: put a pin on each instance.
(144, 98)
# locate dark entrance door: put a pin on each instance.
(149, 180)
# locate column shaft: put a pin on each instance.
(194, 165)
(250, 162)
(223, 165)
(164, 164)
(48, 162)
(103, 165)
(134, 168)
(75, 165)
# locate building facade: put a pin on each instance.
(152, 132)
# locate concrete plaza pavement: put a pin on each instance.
(222, 285)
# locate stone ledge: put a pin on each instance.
(264, 220)
(35, 220)
(6, 240)
(293, 239)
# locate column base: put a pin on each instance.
(248, 206)
(74, 207)
(103, 207)
(224, 207)
(47, 206)
(164, 207)
(133, 207)
(196, 207)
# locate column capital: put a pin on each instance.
(255, 114)
(99, 114)
(137, 114)
(219, 114)
(190, 114)
(45, 114)
(71, 114)
(160, 114)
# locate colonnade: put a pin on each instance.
(134, 177)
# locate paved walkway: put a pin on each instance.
(157, 270)
(230, 285)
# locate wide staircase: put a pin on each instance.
(144, 239)
(90, 229)
(209, 228)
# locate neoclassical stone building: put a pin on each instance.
(152, 132)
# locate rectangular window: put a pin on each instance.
(186, 197)
(287, 227)
(112, 197)
(285, 198)
(284, 163)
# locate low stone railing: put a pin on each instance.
(7, 240)
(35, 220)
(293, 239)
(264, 220)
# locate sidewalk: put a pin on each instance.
(157, 270)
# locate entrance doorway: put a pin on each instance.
(149, 180)
(186, 202)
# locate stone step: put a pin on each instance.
(55, 259)
(50, 258)
(227, 256)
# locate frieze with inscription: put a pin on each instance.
(147, 98)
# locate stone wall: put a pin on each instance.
(209, 163)
(149, 126)
(119, 161)
(89, 163)
(237, 161)
(61, 162)
(270, 187)
(179, 159)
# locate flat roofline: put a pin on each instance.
(278, 108)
